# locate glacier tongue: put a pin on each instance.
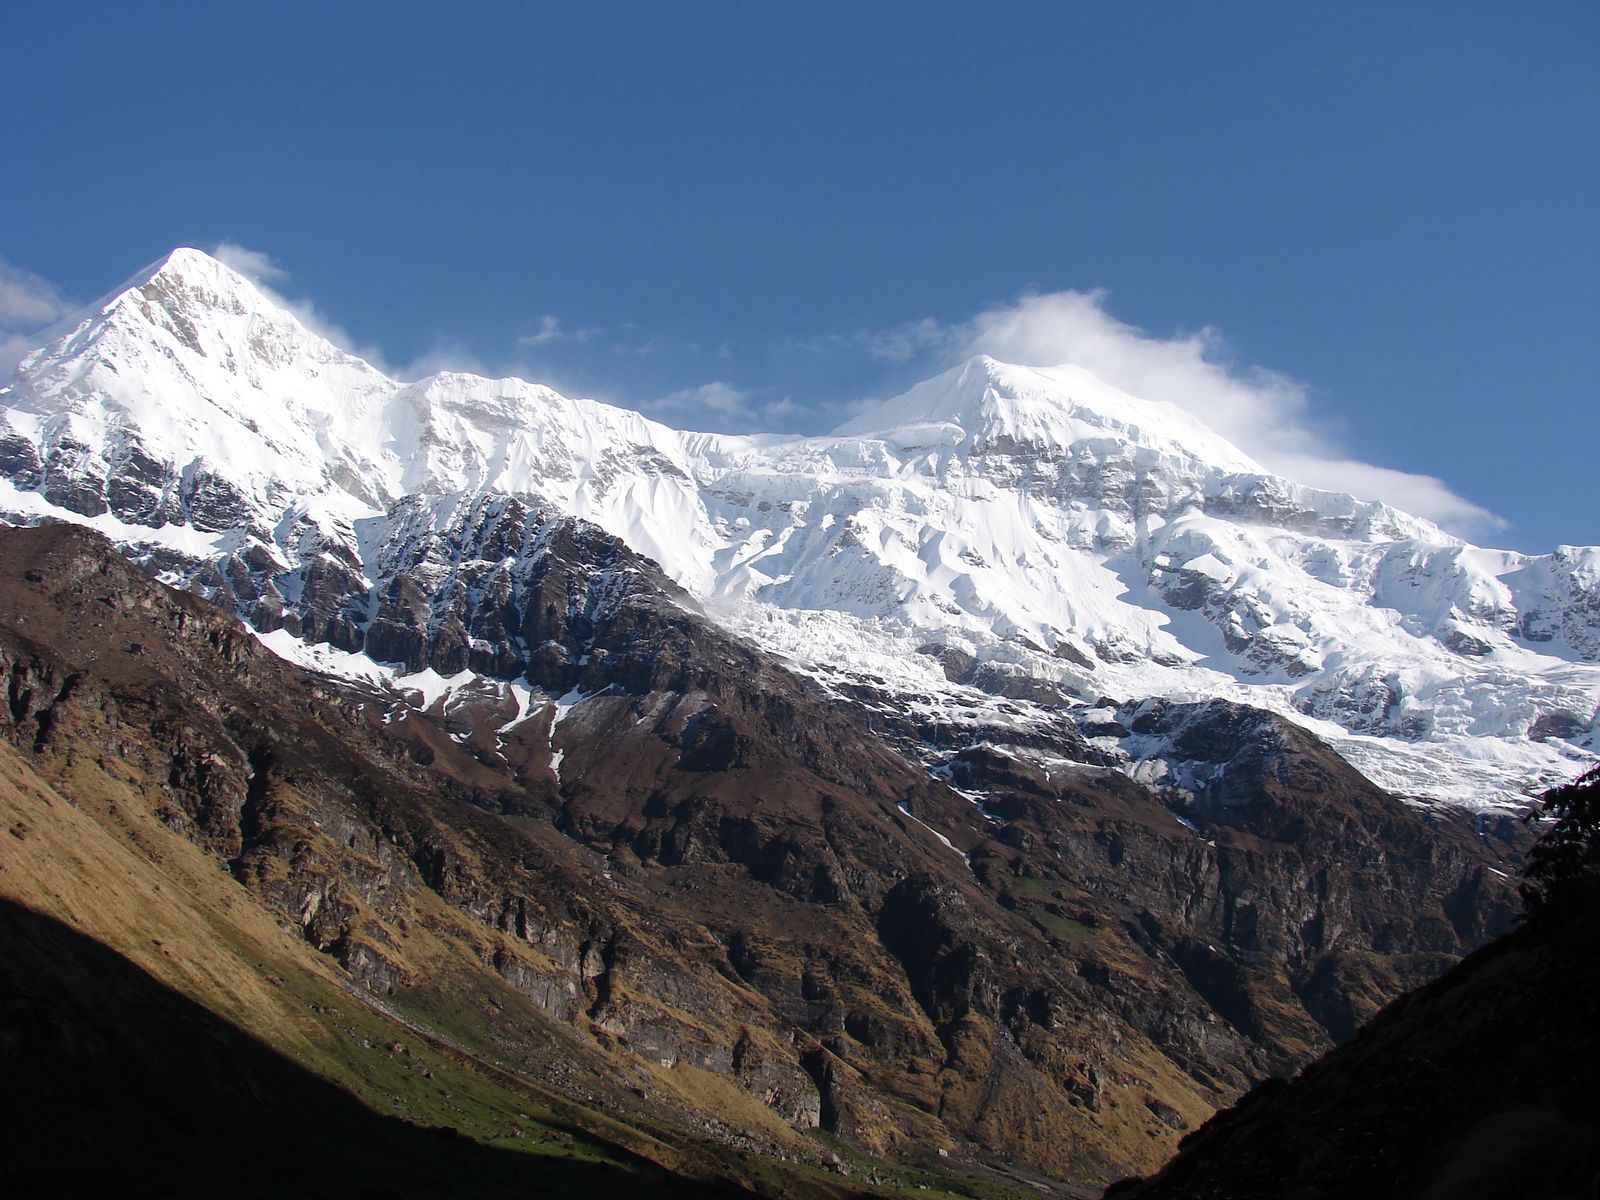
(1055, 537)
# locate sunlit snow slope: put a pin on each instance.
(1043, 539)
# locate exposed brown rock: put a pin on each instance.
(732, 878)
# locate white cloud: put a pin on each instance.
(443, 356)
(716, 397)
(26, 300)
(255, 265)
(550, 331)
(1420, 494)
(723, 407)
(783, 409)
(14, 347)
(28, 305)
(908, 341)
(1265, 413)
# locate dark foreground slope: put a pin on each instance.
(1484, 1085)
(120, 1085)
(712, 920)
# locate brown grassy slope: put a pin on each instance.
(776, 945)
(211, 1046)
(369, 859)
(234, 828)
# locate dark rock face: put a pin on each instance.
(726, 870)
(128, 482)
(1477, 1085)
(956, 663)
(960, 666)
(331, 604)
(19, 459)
(71, 480)
(209, 501)
(1557, 725)
(1270, 887)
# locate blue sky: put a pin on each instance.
(1360, 238)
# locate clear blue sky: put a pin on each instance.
(1395, 204)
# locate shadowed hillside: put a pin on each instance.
(117, 1082)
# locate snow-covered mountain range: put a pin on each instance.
(999, 546)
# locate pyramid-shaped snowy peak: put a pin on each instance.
(1047, 408)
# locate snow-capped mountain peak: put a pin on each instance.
(189, 370)
(190, 301)
(1056, 538)
(997, 404)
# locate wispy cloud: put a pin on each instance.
(550, 331)
(723, 407)
(260, 269)
(29, 304)
(783, 409)
(717, 397)
(1267, 414)
(447, 355)
(909, 341)
(254, 265)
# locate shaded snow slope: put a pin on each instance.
(1072, 541)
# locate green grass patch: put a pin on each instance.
(1028, 889)
(1060, 926)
